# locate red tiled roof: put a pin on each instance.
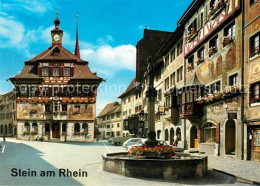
(48, 55)
(82, 70)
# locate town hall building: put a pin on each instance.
(56, 94)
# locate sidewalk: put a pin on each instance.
(247, 170)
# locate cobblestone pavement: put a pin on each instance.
(248, 170)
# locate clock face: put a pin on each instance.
(56, 38)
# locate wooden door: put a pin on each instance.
(55, 130)
(255, 153)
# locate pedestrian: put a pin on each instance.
(175, 143)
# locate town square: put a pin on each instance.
(130, 92)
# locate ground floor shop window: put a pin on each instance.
(178, 133)
(27, 127)
(209, 132)
(35, 127)
(77, 127)
(47, 128)
(166, 135)
(2, 129)
(10, 129)
(158, 134)
(64, 127)
(85, 127)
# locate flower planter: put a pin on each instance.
(191, 36)
(199, 61)
(255, 104)
(212, 51)
(227, 41)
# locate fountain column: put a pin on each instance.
(151, 93)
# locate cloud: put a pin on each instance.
(111, 58)
(27, 6)
(11, 32)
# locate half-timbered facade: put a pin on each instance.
(56, 94)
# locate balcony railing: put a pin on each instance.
(189, 110)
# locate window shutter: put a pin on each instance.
(50, 91)
(199, 21)
(50, 71)
(217, 133)
(206, 12)
(40, 71)
(62, 71)
(71, 71)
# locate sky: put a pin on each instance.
(108, 33)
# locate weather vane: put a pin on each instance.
(56, 12)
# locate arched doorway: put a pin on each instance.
(230, 137)
(171, 136)
(55, 130)
(193, 137)
(166, 135)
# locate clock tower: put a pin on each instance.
(56, 33)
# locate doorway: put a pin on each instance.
(55, 130)
(230, 137)
(194, 137)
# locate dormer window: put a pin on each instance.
(56, 52)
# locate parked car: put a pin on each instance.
(119, 140)
(131, 141)
(142, 142)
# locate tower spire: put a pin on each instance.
(77, 40)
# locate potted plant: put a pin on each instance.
(255, 101)
(227, 40)
(76, 133)
(199, 60)
(190, 67)
(212, 51)
(34, 133)
(254, 52)
(26, 133)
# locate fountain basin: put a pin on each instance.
(182, 165)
